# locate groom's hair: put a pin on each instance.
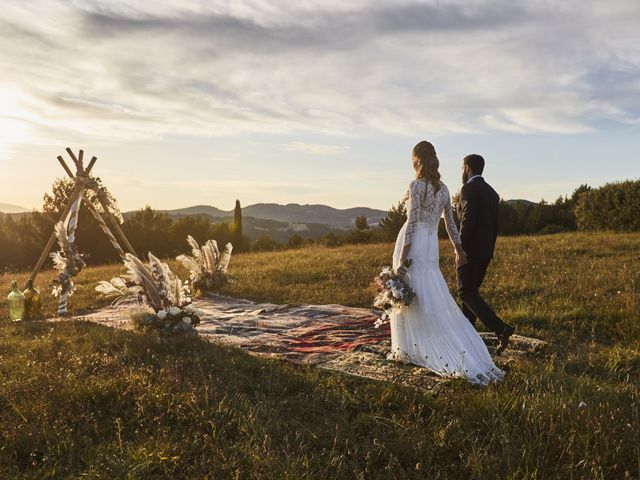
(475, 163)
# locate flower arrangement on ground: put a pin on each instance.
(207, 266)
(170, 311)
(392, 293)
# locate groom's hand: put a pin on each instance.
(461, 257)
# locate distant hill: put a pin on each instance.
(201, 210)
(291, 213)
(322, 214)
(520, 202)
(281, 222)
(9, 208)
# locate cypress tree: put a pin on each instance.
(237, 226)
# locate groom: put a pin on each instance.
(478, 230)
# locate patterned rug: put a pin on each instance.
(334, 337)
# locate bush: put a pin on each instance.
(266, 244)
(295, 242)
(615, 206)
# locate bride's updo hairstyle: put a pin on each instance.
(426, 163)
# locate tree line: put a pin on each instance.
(23, 237)
(614, 206)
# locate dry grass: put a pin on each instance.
(83, 400)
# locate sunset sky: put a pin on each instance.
(195, 102)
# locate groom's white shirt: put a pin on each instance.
(475, 176)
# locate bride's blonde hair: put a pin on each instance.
(426, 163)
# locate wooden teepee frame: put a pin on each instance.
(81, 179)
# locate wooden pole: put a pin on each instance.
(116, 226)
(80, 161)
(92, 162)
(105, 229)
(114, 223)
(64, 165)
(72, 155)
(65, 212)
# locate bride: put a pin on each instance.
(433, 332)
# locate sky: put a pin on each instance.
(316, 101)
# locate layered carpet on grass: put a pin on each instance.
(334, 337)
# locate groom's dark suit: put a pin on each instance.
(478, 231)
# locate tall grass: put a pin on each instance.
(81, 400)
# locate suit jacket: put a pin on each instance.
(478, 218)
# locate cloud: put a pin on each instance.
(132, 70)
(314, 148)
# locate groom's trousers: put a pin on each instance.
(470, 277)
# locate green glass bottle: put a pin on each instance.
(32, 302)
(15, 300)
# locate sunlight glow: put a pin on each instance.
(14, 125)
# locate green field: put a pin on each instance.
(84, 401)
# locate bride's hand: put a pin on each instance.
(402, 271)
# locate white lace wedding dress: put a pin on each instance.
(432, 331)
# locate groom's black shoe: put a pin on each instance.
(504, 336)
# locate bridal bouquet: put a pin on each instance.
(393, 292)
(207, 266)
(171, 313)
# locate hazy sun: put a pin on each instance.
(14, 125)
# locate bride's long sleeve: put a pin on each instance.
(413, 204)
(449, 222)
